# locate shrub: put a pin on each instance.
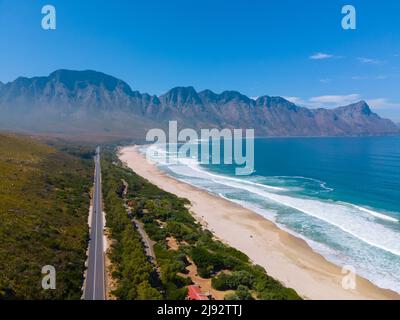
(226, 281)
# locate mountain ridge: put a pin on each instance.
(78, 96)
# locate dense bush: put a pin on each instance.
(44, 196)
(206, 261)
(242, 293)
(232, 281)
(181, 231)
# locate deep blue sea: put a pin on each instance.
(342, 195)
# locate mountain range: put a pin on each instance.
(78, 102)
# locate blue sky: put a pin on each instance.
(296, 49)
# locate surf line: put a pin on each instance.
(180, 144)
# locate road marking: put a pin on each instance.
(95, 237)
(102, 232)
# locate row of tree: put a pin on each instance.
(136, 277)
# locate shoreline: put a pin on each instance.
(285, 257)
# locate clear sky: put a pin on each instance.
(292, 48)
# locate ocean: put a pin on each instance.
(341, 195)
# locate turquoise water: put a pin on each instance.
(342, 195)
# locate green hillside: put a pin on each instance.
(44, 200)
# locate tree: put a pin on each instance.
(146, 292)
(243, 293)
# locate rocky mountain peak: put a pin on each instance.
(77, 98)
(361, 107)
(277, 102)
(208, 96)
(233, 96)
(81, 79)
(180, 96)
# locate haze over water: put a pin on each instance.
(342, 195)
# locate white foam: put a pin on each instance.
(376, 214)
(347, 217)
(268, 214)
(193, 164)
(359, 225)
(322, 184)
(339, 215)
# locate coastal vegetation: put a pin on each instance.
(134, 273)
(167, 218)
(44, 197)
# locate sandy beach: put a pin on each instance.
(285, 257)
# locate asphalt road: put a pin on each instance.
(95, 280)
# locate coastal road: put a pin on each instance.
(148, 244)
(95, 280)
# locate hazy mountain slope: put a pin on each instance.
(72, 102)
(89, 101)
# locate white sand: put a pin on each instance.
(285, 257)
